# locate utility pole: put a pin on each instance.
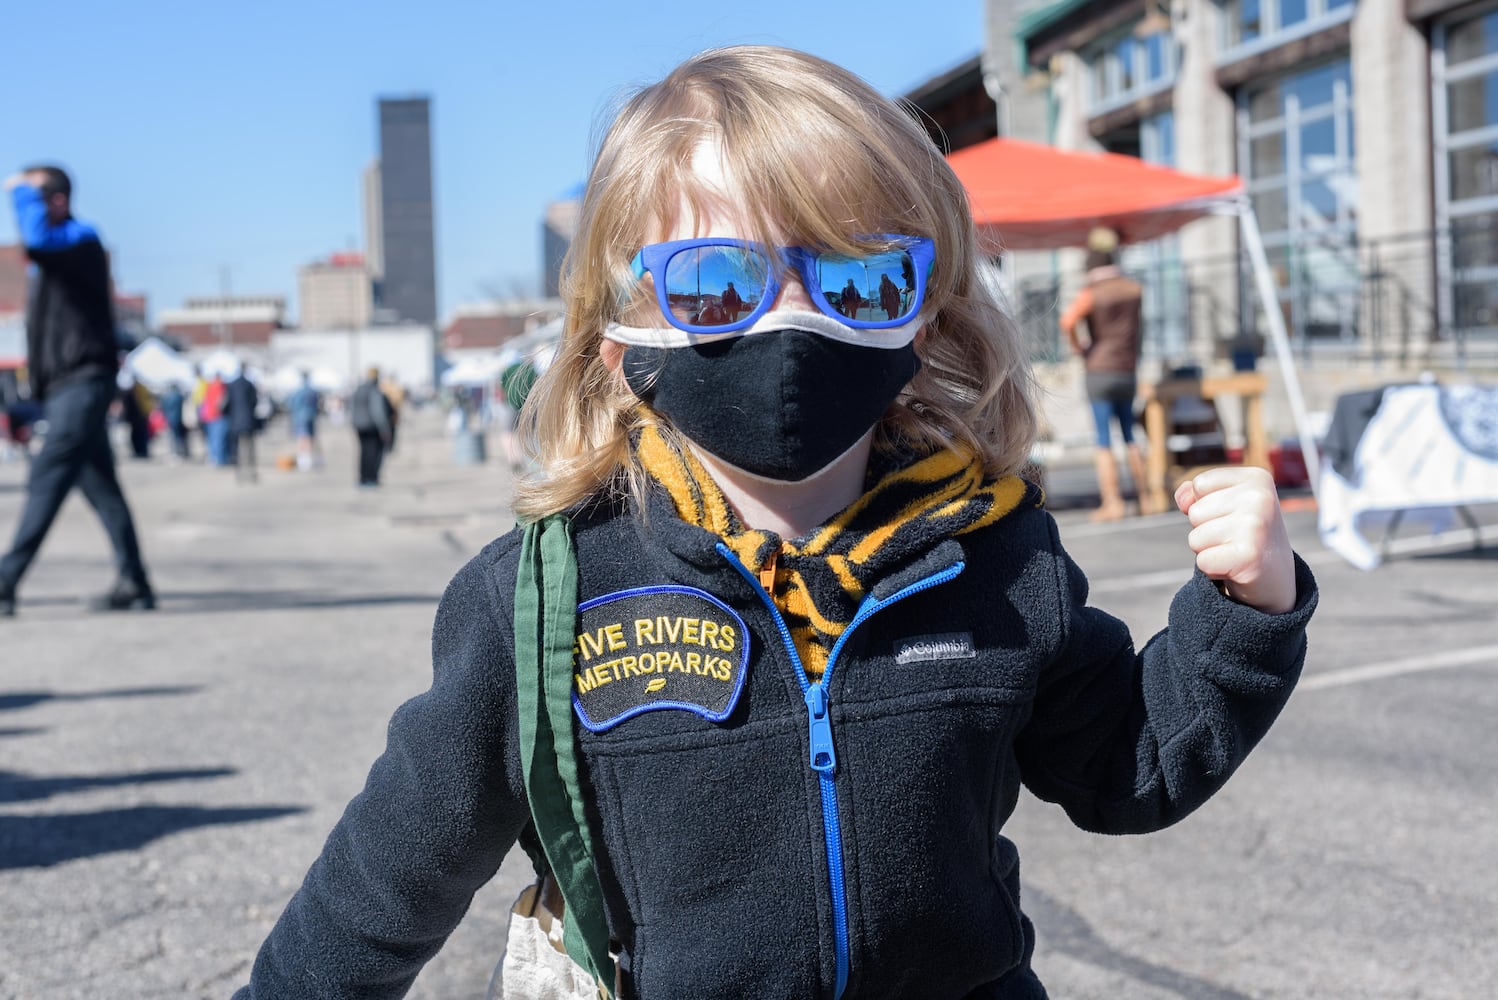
(226, 324)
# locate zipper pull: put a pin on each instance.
(767, 572)
(823, 759)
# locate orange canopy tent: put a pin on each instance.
(1026, 196)
(1032, 197)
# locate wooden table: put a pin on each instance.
(1165, 475)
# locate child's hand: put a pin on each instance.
(1239, 537)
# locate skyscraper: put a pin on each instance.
(556, 237)
(408, 288)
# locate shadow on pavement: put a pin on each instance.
(204, 601)
(40, 841)
(19, 788)
(1064, 930)
(27, 602)
(1487, 553)
(26, 699)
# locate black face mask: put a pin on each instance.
(782, 405)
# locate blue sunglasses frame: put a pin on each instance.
(654, 258)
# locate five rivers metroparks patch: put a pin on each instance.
(656, 648)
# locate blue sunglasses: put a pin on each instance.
(720, 284)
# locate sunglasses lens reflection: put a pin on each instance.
(717, 286)
(873, 289)
(714, 286)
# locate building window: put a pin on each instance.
(1128, 66)
(1464, 77)
(1166, 293)
(1250, 26)
(1156, 263)
(1296, 153)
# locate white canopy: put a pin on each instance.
(223, 364)
(288, 378)
(155, 365)
(477, 371)
(538, 346)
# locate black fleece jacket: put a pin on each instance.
(70, 314)
(716, 865)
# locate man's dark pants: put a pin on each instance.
(244, 456)
(371, 453)
(75, 452)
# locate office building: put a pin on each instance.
(557, 232)
(408, 267)
(1365, 131)
(335, 294)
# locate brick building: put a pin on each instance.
(486, 325)
(225, 322)
(12, 279)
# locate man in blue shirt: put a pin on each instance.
(302, 405)
(71, 360)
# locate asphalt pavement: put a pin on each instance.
(166, 778)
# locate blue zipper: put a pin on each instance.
(819, 722)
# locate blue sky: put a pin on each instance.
(204, 136)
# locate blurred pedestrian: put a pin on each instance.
(733, 303)
(851, 300)
(211, 419)
(302, 407)
(1110, 303)
(135, 411)
(395, 395)
(370, 412)
(72, 359)
(889, 297)
(171, 403)
(241, 402)
(515, 386)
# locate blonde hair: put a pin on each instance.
(819, 156)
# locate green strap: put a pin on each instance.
(545, 627)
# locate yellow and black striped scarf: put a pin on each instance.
(818, 581)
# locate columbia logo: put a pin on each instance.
(926, 648)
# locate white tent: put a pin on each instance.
(538, 346)
(288, 378)
(476, 371)
(223, 364)
(155, 365)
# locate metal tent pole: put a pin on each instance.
(1254, 242)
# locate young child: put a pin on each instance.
(825, 631)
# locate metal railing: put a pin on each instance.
(1423, 295)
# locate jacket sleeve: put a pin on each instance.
(1131, 742)
(441, 807)
(40, 236)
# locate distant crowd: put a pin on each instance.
(216, 418)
